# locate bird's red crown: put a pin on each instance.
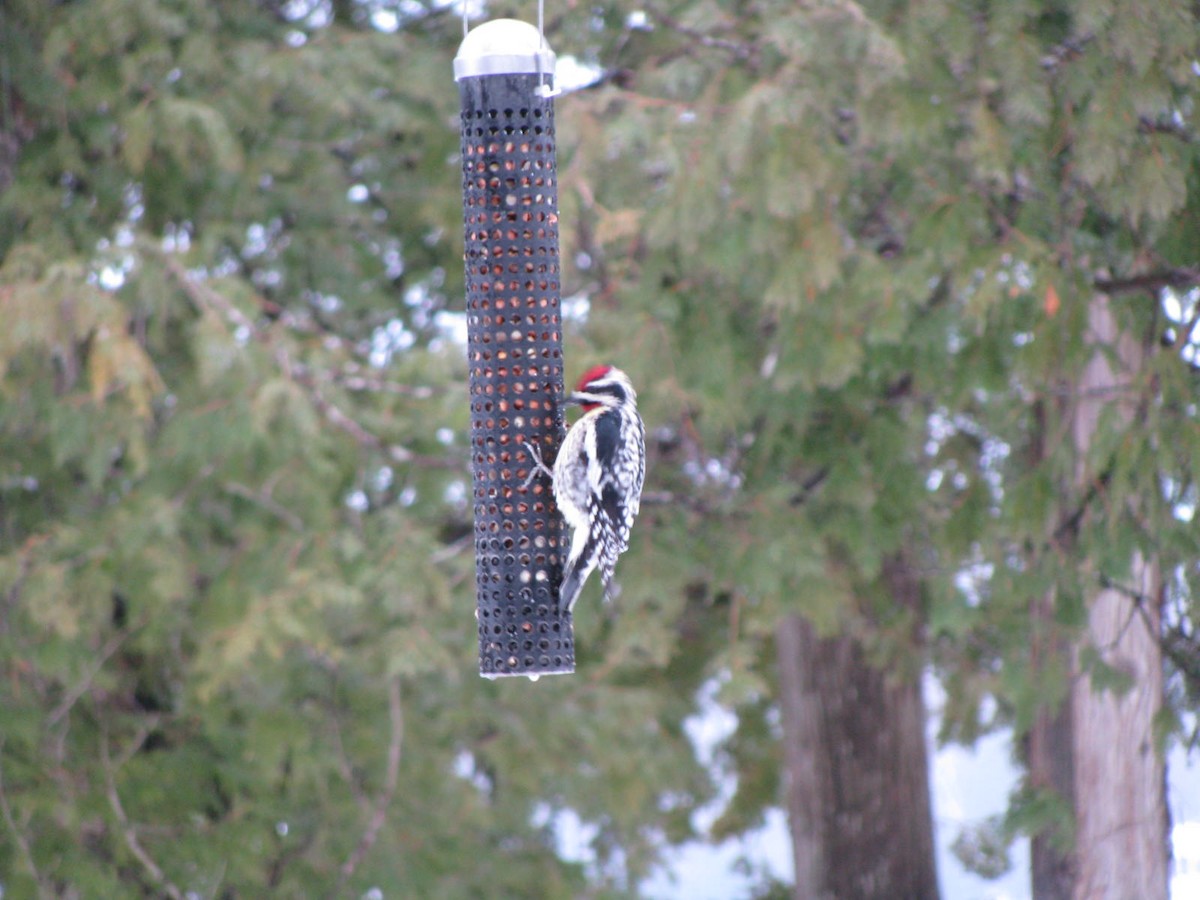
(591, 375)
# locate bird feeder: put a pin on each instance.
(505, 75)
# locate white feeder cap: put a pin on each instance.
(503, 47)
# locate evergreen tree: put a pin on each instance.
(235, 567)
(869, 239)
(900, 284)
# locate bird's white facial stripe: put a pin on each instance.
(608, 388)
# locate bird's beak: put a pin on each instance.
(572, 400)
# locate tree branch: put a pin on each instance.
(18, 837)
(1067, 51)
(452, 549)
(695, 502)
(128, 831)
(1180, 277)
(1184, 337)
(1169, 127)
(746, 53)
(352, 380)
(262, 500)
(1178, 645)
(1068, 526)
(13, 595)
(345, 767)
(386, 795)
(205, 298)
(72, 696)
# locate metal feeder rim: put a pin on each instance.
(503, 47)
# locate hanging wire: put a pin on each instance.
(544, 90)
(541, 21)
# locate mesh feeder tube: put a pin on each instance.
(504, 72)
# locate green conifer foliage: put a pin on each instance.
(845, 250)
(236, 631)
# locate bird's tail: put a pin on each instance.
(575, 573)
(572, 584)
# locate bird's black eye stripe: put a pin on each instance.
(610, 389)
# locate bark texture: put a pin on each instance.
(857, 772)
(1051, 763)
(1120, 801)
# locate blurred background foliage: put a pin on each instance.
(846, 251)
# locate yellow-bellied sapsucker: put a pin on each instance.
(597, 477)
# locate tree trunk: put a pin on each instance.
(1119, 773)
(1120, 805)
(857, 773)
(1098, 751)
(1051, 768)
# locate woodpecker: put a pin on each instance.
(597, 477)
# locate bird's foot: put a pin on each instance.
(538, 465)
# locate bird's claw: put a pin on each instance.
(538, 465)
